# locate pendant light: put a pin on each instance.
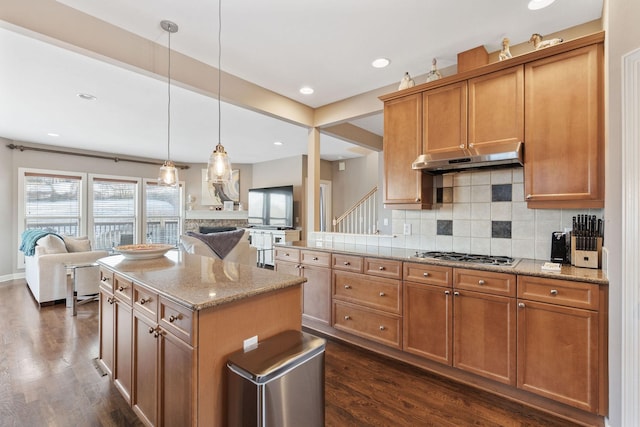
(219, 166)
(168, 172)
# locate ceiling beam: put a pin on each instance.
(354, 134)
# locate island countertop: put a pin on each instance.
(198, 282)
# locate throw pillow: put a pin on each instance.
(77, 244)
(52, 244)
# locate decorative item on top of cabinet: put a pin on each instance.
(564, 120)
(566, 362)
(406, 82)
(505, 53)
(538, 43)
(434, 74)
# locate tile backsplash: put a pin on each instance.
(481, 212)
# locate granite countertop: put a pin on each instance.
(528, 267)
(198, 282)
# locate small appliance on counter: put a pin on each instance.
(560, 247)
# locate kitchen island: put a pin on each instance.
(167, 326)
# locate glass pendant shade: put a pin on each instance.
(219, 166)
(168, 174)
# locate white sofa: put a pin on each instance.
(46, 272)
(242, 253)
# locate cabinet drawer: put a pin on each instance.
(561, 292)
(375, 292)
(428, 274)
(347, 262)
(321, 259)
(106, 279)
(145, 301)
(178, 320)
(371, 324)
(122, 288)
(383, 268)
(286, 254)
(485, 281)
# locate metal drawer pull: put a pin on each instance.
(122, 288)
(144, 300)
(381, 268)
(105, 279)
(173, 318)
(111, 300)
(447, 292)
(346, 263)
(521, 304)
(151, 330)
(347, 286)
(425, 274)
(481, 282)
(382, 294)
(382, 328)
(315, 258)
(347, 317)
(554, 292)
(457, 294)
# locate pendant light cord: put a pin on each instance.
(169, 98)
(219, 70)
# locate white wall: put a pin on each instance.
(7, 212)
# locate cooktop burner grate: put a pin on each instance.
(470, 258)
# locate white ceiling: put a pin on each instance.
(280, 45)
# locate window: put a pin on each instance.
(163, 213)
(114, 204)
(52, 200)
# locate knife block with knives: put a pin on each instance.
(586, 241)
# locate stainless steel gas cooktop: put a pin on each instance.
(468, 258)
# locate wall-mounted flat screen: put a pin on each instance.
(271, 207)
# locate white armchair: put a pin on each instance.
(47, 274)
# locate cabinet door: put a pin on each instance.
(496, 108)
(558, 353)
(428, 322)
(444, 118)
(177, 370)
(316, 294)
(564, 149)
(485, 335)
(404, 187)
(106, 327)
(145, 369)
(122, 351)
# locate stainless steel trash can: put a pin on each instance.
(280, 383)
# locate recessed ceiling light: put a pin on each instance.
(277, 143)
(306, 90)
(87, 96)
(380, 63)
(55, 135)
(539, 4)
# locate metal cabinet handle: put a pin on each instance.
(417, 199)
(554, 292)
(471, 145)
(151, 330)
(347, 317)
(382, 294)
(456, 294)
(143, 301)
(347, 286)
(521, 304)
(425, 274)
(381, 268)
(382, 328)
(111, 300)
(529, 196)
(173, 318)
(122, 288)
(461, 146)
(447, 292)
(346, 263)
(156, 334)
(315, 258)
(481, 282)
(105, 279)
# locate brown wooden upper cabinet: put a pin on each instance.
(564, 149)
(444, 118)
(404, 188)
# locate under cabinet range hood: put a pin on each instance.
(484, 156)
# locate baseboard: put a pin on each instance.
(4, 280)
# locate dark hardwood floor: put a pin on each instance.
(48, 378)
